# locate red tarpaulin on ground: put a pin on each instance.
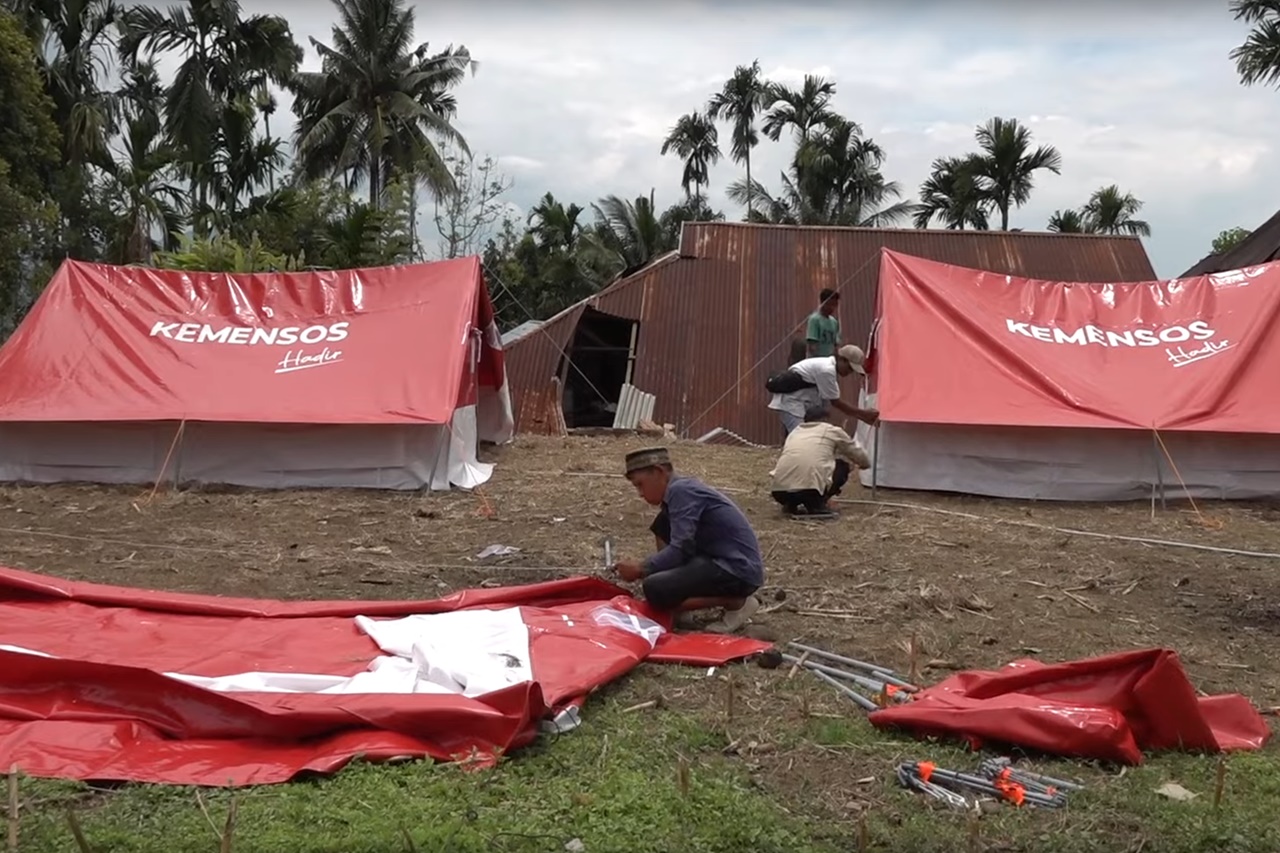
(89, 686)
(961, 346)
(1111, 708)
(390, 345)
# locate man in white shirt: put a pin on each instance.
(822, 375)
(815, 464)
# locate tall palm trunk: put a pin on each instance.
(271, 172)
(750, 187)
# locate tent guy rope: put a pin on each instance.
(1170, 543)
(1144, 540)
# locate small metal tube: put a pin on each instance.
(860, 680)
(871, 668)
(866, 703)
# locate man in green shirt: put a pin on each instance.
(822, 337)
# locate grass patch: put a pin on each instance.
(615, 786)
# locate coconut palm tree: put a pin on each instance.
(953, 193)
(378, 106)
(695, 140)
(1258, 58)
(630, 231)
(743, 98)
(1007, 164)
(1110, 211)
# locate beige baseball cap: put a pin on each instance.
(854, 356)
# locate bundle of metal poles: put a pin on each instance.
(996, 778)
(879, 686)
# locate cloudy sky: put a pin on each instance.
(576, 98)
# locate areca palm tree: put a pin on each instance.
(1110, 211)
(142, 181)
(1069, 221)
(1007, 164)
(953, 193)
(226, 57)
(835, 179)
(379, 104)
(555, 225)
(803, 110)
(695, 140)
(743, 98)
(1258, 58)
(71, 36)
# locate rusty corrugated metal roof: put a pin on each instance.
(719, 317)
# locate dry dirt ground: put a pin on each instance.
(975, 592)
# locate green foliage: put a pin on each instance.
(221, 253)
(1108, 211)
(1229, 239)
(29, 156)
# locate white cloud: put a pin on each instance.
(579, 97)
(516, 163)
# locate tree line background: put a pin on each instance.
(103, 160)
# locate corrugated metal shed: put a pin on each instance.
(720, 316)
(512, 335)
(1260, 247)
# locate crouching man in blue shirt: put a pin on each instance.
(708, 555)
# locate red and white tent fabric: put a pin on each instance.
(207, 690)
(994, 385)
(379, 378)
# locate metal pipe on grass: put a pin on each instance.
(860, 680)
(866, 703)
(880, 672)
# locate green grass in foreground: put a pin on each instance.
(614, 785)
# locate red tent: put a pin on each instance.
(210, 690)
(996, 385)
(380, 378)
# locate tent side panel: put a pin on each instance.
(1071, 464)
(266, 456)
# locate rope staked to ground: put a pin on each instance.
(195, 549)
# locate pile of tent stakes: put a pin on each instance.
(996, 777)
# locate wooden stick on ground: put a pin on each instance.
(1220, 782)
(229, 828)
(13, 809)
(795, 667)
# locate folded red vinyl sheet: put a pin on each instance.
(1112, 708)
(108, 683)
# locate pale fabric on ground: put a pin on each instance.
(472, 652)
(808, 459)
(466, 652)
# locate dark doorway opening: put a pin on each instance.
(601, 358)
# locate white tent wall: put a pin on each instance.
(264, 456)
(1038, 463)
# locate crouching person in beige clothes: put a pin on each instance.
(815, 464)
